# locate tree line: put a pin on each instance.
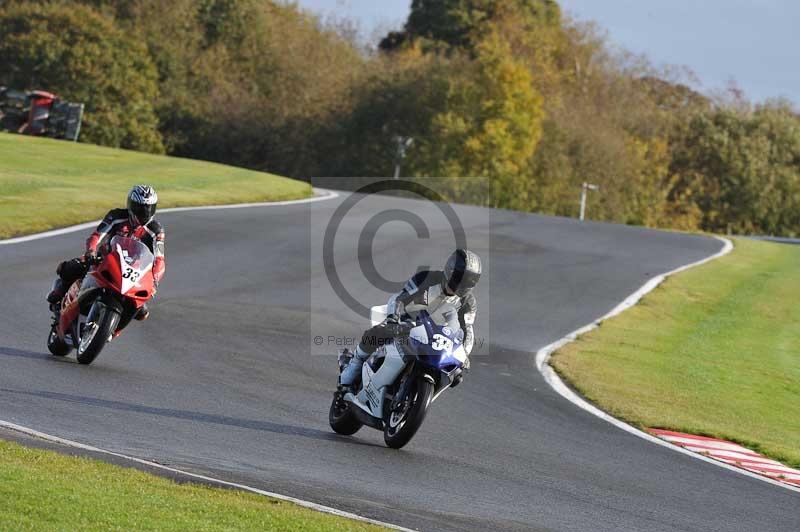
(511, 91)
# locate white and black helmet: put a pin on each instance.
(142, 202)
(462, 271)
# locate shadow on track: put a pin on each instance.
(23, 353)
(266, 426)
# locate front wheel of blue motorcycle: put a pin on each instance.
(407, 416)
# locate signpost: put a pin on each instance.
(584, 188)
(402, 145)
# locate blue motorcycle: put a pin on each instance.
(400, 381)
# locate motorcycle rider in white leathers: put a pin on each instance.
(445, 294)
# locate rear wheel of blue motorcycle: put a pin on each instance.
(341, 417)
(401, 424)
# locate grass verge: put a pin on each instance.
(713, 351)
(46, 183)
(44, 490)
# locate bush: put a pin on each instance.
(741, 168)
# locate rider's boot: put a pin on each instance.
(57, 292)
(458, 378)
(353, 370)
(142, 314)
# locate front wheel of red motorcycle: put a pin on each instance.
(96, 334)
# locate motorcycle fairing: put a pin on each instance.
(126, 268)
(70, 310)
(372, 395)
(437, 346)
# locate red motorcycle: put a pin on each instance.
(96, 309)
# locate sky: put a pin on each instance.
(755, 43)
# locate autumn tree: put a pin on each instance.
(462, 23)
(742, 169)
(83, 56)
(489, 125)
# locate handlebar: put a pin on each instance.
(93, 260)
(401, 328)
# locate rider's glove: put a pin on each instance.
(395, 327)
(90, 257)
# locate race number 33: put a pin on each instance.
(441, 343)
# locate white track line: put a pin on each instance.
(299, 502)
(552, 378)
(322, 195)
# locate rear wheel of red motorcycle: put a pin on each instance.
(96, 334)
(56, 346)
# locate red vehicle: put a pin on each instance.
(39, 113)
(41, 102)
(95, 310)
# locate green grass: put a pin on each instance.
(713, 351)
(45, 183)
(43, 490)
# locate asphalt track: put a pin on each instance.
(224, 379)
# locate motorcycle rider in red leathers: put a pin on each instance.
(136, 221)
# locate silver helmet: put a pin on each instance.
(462, 271)
(142, 202)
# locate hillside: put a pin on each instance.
(45, 184)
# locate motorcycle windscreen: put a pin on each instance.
(133, 252)
(437, 346)
(136, 260)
